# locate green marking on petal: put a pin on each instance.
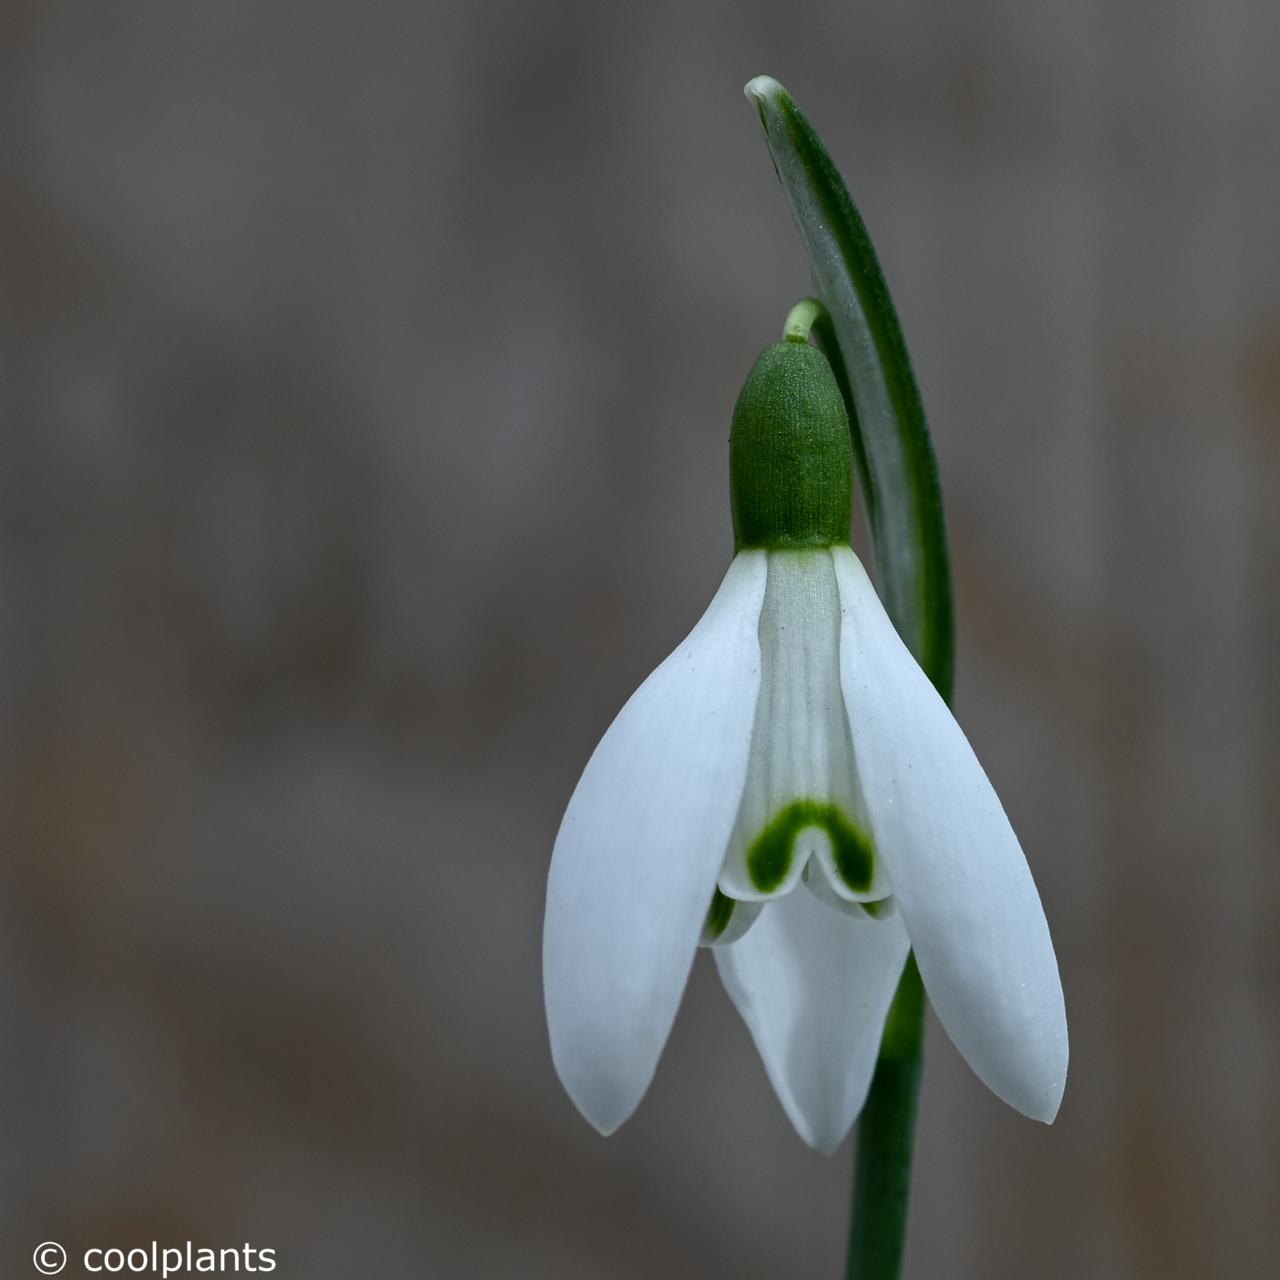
(878, 909)
(719, 913)
(855, 856)
(769, 857)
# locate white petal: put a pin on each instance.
(959, 876)
(814, 987)
(635, 861)
(801, 783)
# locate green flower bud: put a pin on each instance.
(790, 454)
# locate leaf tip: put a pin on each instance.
(761, 89)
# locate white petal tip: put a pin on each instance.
(826, 1144)
(1044, 1109)
(821, 1125)
(605, 1069)
(606, 1104)
(822, 1122)
(1047, 1111)
(1038, 1097)
(604, 1130)
(761, 88)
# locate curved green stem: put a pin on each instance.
(802, 318)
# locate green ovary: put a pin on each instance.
(769, 857)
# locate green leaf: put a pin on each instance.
(896, 466)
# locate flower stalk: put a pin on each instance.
(886, 1139)
(802, 318)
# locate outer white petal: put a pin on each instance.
(959, 875)
(814, 988)
(636, 859)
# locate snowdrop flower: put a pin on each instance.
(789, 788)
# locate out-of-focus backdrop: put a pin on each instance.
(367, 372)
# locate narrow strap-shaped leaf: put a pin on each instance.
(898, 474)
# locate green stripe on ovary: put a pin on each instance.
(769, 857)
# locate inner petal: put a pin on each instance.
(727, 920)
(833, 893)
(801, 798)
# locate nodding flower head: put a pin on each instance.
(789, 789)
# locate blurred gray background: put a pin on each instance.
(367, 372)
